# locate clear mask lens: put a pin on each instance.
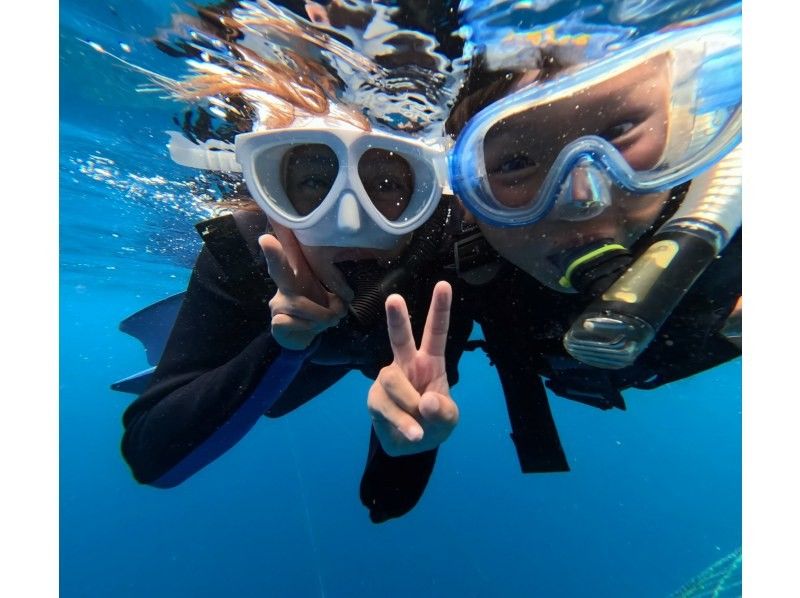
(388, 179)
(309, 171)
(630, 111)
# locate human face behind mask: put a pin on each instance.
(346, 194)
(566, 164)
(631, 113)
(343, 192)
(308, 172)
(337, 185)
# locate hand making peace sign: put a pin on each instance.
(410, 402)
(302, 307)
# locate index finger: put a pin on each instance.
(434, 339)
(278, 266)
(400, 335)
(306, 282)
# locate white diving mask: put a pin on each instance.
(332, 184)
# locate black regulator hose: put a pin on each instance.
(371, 286)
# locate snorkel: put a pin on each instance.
(372, 287)
(624, 319)
(617, 327)
(512, 171)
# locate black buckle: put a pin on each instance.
(595, 392)
(471, 251)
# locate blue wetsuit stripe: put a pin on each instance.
(272, 385)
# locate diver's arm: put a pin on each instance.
(411, 409)
(220, 371)
(392, 486)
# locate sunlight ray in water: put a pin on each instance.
(723, 579)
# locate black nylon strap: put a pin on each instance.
(533, 430)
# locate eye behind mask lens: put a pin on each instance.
(308, 172)
(388, 179)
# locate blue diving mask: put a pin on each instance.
(643, 120)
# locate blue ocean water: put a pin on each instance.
(653, 498)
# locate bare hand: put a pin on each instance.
(302, 307)
(410, 402)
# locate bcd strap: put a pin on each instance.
(470, 252)
(533, 430)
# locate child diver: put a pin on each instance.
(616, 186)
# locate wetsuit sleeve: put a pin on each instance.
(392, 486)
(220, 371)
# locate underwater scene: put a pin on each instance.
(498, 243)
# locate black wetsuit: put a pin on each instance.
(220, 350)
(534, 320)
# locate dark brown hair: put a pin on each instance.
(483, 87)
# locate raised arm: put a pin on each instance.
(222, 369)
(411, 409)
(219, 351)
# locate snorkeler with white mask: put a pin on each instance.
(288, 292)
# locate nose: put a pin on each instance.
(582, 188)
(587, 193)
(349, 217)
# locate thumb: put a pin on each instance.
(271, 248)
(438, 408)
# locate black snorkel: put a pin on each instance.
(624, 318)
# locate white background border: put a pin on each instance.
(29, 244)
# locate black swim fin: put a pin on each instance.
(135, 384)
(151, 326)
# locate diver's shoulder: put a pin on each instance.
(232, 240)
(252, 223)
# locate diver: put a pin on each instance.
(287, 294)
(616, 186)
